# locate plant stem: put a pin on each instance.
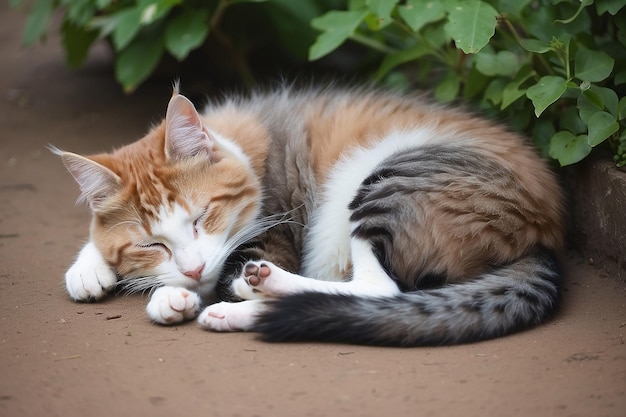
(511, 29)
(421, 39)
(217, 13)
(539, 57)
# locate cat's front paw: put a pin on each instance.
(171, 305)
(230, 317)
(90, 277)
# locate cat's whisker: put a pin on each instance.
(259, 227)
(141, 284)
(130, 222)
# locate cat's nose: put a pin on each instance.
(196, 273)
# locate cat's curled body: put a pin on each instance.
(348, 215)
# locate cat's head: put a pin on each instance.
(168, 208)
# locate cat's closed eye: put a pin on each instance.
(198, 220)
(152, 245)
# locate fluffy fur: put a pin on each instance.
(344, 215)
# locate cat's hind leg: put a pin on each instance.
(171, 305)
(264, 279)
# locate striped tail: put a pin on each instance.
(503, 301)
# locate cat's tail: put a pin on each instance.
(508, 299)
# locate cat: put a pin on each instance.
(333, 214)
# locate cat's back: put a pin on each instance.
(331, 123)
(334, 120)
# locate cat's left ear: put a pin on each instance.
(97, 183)
(185, 136)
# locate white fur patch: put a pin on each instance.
(174, 228)
(327, 247)
(231, 147)
(90, 277)
(170, 305)
(229, 317)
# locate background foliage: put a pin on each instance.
(555, 69)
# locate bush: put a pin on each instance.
(143, 32)
(556, 69)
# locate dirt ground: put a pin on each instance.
(59, 358)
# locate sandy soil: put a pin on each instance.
(59, 358)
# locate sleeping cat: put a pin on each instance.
(346, 215)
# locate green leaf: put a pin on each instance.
(186, 32)
(406, 55)
(603, 98)
(337, 26)
(541, 25)
(474, 84)
(396, 81)
(494, 91)
(502, 63)
(594, 99)
(135, 63)
(153, 10)
(448, 89)
(621, 109)
(436, 36)
(288, 18)
(548, 90)
(583, 4)
(570, 118)
(381, 13)
(560, 46)
(104, 24)
(382, 7)
(37, 21)
(471, 24)
(76, 42)
(512, 91)
(593, 66)
(80, 13)
(535, 45)
(601, 126)
(418, 13)
(512, 7)
(569, 149)
(334, 20)
(542, 133)
(127, 25)
(357, 4)
(611, 6)
(586, 108)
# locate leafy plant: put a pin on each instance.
(142, 32)
(556, 68)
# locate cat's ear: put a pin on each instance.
(185, 136)
(96, 182)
